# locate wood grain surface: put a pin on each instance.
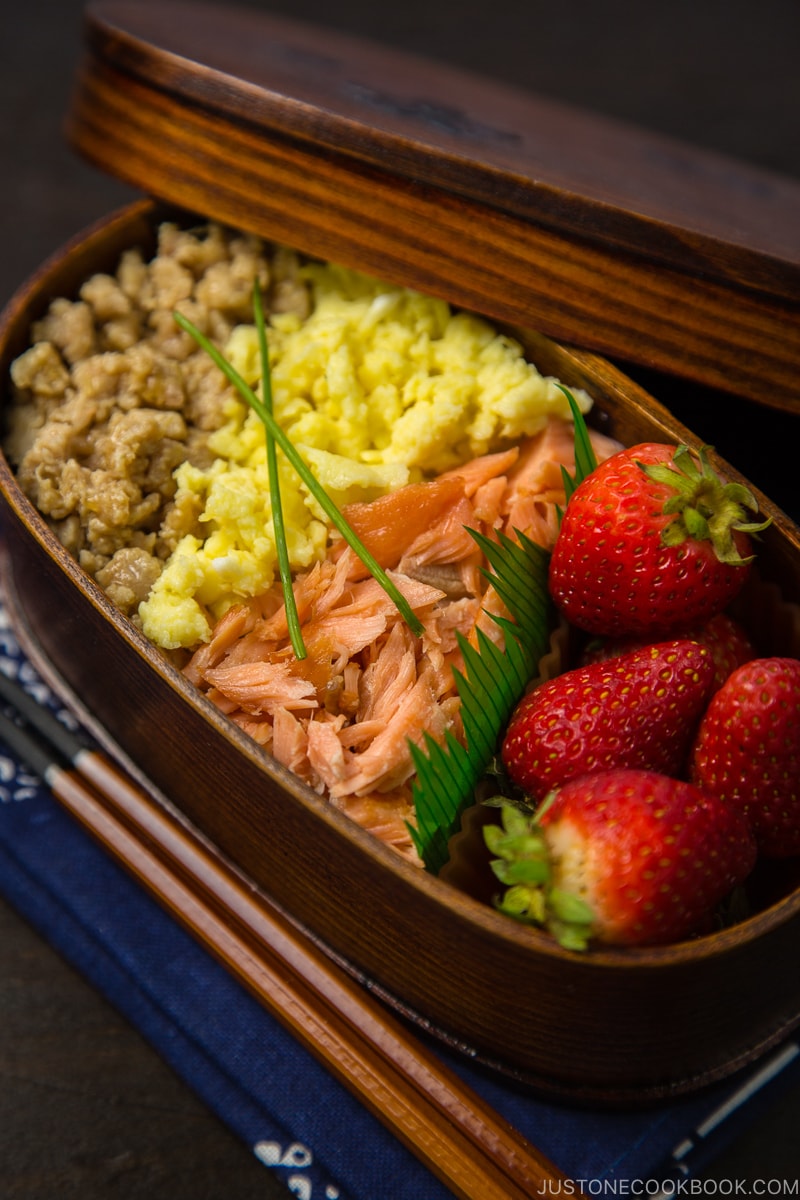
(592, 231)
(83, 1112)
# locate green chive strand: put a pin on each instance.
(292, 618)
(307, 476)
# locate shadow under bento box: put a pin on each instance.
(617, 1026)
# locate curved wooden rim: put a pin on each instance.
(651, 958)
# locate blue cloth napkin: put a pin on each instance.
(298, 1120)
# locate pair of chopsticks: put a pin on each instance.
(467, 1145)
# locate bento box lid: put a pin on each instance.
(590, 230)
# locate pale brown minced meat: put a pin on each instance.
(112, 395)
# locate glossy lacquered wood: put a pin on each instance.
(531, 212)
(616, 1026)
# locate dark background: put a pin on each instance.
(86, 1109)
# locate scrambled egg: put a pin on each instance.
(380, 386)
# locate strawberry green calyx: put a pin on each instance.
(705, 508)
(522, 863)
(622, 857)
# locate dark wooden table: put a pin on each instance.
(87, 1109)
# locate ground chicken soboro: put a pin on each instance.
(112, 396)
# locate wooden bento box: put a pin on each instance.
(621, 1026)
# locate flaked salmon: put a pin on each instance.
(342, 718)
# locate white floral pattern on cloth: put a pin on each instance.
(17, 783)
(296, 1157)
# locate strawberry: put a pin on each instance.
(638, 710)
(624, 857)
(726, 639)
(747, 750)
(650, 542)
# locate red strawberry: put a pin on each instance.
(747, 750)
(726, 639)
(638, 710)
(625, 857)
(650, 542)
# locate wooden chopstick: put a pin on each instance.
(448, 1126)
